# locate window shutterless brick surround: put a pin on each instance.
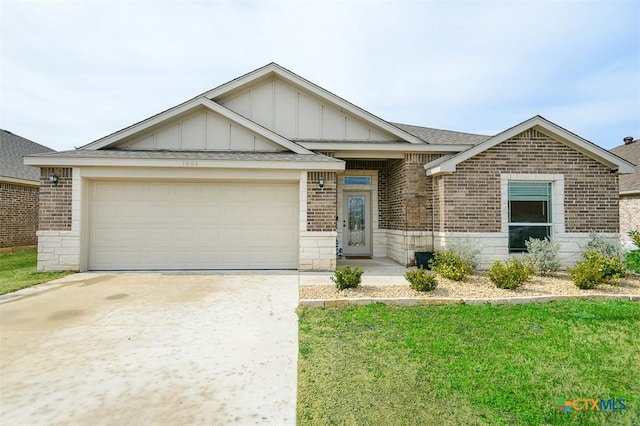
(19, 213)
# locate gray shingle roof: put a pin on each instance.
(438, 136)
(190, 155)
(12, 149)
(631, 153)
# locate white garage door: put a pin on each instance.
(222, 225)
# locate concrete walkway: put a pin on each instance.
(151, 349)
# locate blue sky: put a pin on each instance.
(75, 71)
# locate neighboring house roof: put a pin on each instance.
(630, 184)
(12, 150)
(444, 137)
(545, 126)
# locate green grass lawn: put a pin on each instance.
(18, 270)
(468, 365)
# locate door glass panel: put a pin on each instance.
(356, 221)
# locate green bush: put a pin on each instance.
(607, 249)
(611, 267)
(635, 237)
(450, 265)
(346, 277)
(543, 255)
(467, 251)
(597, 269)
(633, 261)
(421, 280)
(509, 275)
(586, 276)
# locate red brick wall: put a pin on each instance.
(55, 201)
(471, 195)
(321, 203)
(18, 215)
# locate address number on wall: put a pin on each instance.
(189, 163)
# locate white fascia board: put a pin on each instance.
(295, 79)
(544, 126)
(19, 181)
(144, 125)
(382, 147)
(183, 163)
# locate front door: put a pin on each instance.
(356, 224)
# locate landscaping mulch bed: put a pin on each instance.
(475, 286)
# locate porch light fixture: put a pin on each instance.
(321, 182)
(53, 178)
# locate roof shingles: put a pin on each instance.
(12, 150)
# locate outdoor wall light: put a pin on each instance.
(321, 182)
(53, 178)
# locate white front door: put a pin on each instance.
(356, 224)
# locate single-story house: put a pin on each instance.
(629, 189)
(19, 187)
(270, 171)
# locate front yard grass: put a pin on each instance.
(18, 270)
(460, 364)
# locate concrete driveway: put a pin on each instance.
(151, 349)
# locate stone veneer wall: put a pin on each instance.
(19, 213)
(318, 241)
(629, 215)
(470, 198)
(58, 244)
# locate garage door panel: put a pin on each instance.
(219, 225)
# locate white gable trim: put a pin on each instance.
(296, 80)
(114, 138)
(544, 126)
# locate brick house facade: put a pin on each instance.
(352, 183)
(19, 188)
(629, 190)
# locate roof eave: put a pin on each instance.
(60, 161)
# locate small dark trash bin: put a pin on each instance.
(422, 259)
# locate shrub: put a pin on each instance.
(633, 261)
(611, 268)
(467, 251)
(607, 249)
(635, 237)
(450, 265)
(509, 275)
(596, 269)
(346, 277)
(543, 255)
(586, 276)
(421, 280)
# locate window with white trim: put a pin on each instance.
(530, 213)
